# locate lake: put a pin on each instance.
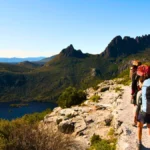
(8, 112)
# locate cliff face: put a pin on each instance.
(125, 46)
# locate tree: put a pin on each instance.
(71, 96)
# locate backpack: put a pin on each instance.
(148, 100)
(144, 70)
(145, 108)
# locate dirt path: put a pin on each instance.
(127, 140)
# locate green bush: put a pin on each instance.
(111, 132)
(95, 138)
(71, 96)
(35, 117)
(101, 144)
(95, 98)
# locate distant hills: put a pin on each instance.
(71, 67)
(16, 60)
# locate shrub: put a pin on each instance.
(111, 132)
(21, 135)
(71, 96)
(95, 138)
(101, 144)
(29, 137)
(35, 117)
(95, 98)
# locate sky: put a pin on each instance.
(31, 28)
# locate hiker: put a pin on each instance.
(134, 86)
(143, 101)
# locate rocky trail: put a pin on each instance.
(127, 140)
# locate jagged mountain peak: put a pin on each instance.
(71, 52)
(125, 46)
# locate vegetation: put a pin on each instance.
(101, 144)
(35, 117)
(47, 82)
(123, 78)
(71, 96)
(118, 88)
(111, 132)
(95, 98)
(25, 134)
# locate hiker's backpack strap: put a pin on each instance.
(139, 101)
(148, 99)
(139, 98)
(146, 96)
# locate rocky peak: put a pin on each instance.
(125, 46)
(117, 40)
(71, 52)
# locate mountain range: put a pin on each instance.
(33, 81)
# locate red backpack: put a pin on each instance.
(143, 70)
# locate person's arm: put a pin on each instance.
(133, 84)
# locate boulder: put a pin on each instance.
(68, 112)
(66, 127)
(79, 123)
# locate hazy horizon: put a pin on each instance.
(43, 28)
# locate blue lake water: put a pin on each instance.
(7, 112)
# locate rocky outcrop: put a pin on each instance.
(113, 110)
(91, 117)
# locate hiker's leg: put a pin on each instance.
(140, 126)
(135, 115)
(148, 125)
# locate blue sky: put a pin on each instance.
(45, 27)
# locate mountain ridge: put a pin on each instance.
(126, 46)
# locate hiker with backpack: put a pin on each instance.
(134, 85)
(143, 101)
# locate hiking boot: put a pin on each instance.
(138, 145)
